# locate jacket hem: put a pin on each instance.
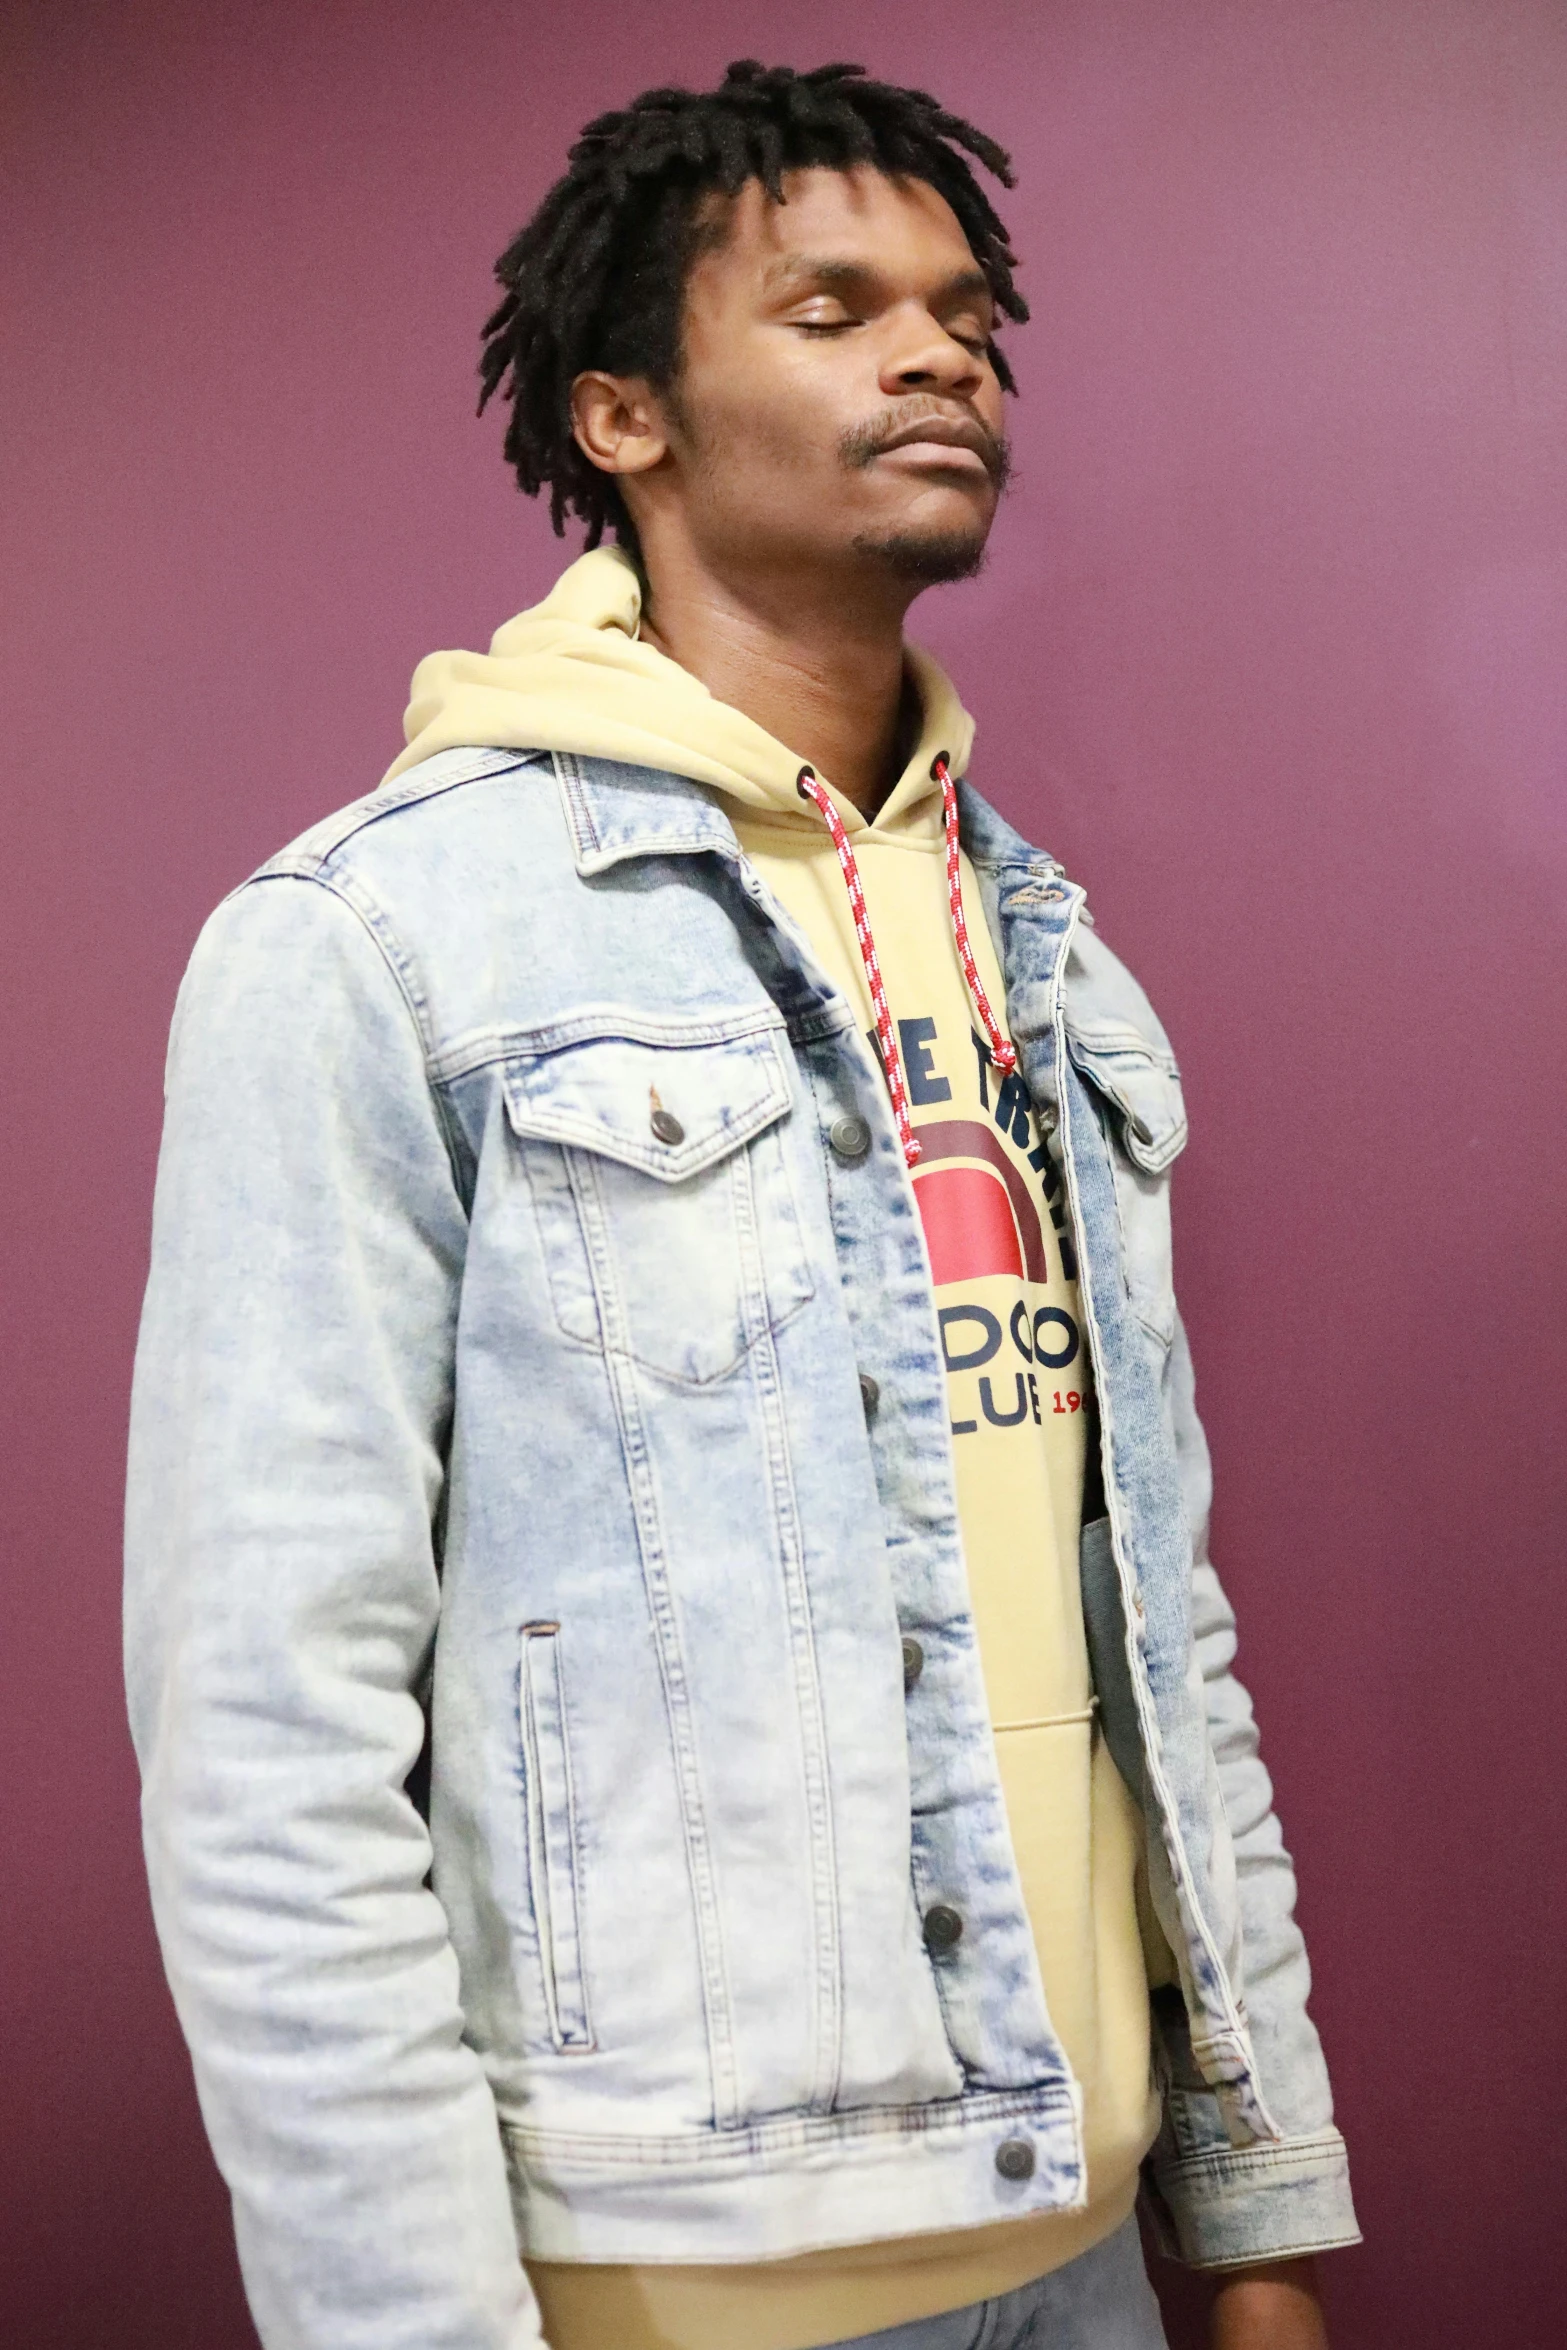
(806, 2184)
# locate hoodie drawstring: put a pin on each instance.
(810, 789)
(1002, 1053)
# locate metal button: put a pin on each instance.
(1049, 1117)
(667, 1127)
(913, 1663)
(943, 1928)
(1015, 2158)
(870, 1392)
(850, 1136)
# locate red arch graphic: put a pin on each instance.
(968, 1223)
(966, 1138)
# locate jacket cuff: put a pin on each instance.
(1227, 2207)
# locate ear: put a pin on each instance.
(616, 422)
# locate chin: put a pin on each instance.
(926, 558)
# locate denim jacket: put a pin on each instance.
(539, 1831)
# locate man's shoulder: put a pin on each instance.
(1114, 1034)
(485, 878)
(456, 870)
(1118, 1041)
(442, 805)
(1103, 1000)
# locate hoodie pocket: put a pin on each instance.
(554, 1861)
(666, 1217)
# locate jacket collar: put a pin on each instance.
(614, 812)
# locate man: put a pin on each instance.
(661, 1300)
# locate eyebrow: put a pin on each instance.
(851, 276)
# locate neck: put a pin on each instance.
(817, 663)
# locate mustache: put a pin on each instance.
(861, 444)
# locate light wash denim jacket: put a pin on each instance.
(472, 1417)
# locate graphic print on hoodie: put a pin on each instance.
(572, 675)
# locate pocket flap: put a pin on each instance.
(603, 1094)
(1142, 1085)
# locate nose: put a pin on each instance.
(922, 357)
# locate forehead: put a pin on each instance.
(857, 215)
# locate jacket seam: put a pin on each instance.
(331, 835)
(596, 1025)
(1292, 2248)
(356, 900)
(579, 815)
(647, 1518)
(955, 2116)
(1222, 2162)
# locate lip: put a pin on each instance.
(952, 441)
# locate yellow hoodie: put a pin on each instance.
(572, 675)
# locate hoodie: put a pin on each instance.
(878, 904)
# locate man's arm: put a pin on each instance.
(293, 1393)
(1230, 2208)
(1272, 2308)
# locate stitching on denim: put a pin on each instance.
(579, 815)
(356, 900)
(1244, 2089)
(332, 834)
(762, 1352)
(1326, 2150)
(595, 1024)
(1164, 1339)
(636, 1454)
(732, 2148)
(555, 1979)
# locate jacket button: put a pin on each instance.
(850, 1136)
(1015, 2158)
(870, 1392)
(1049, 1120)
(667, 1127)
(913, 1663)
(943, 1928)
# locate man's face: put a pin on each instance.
(835, 400)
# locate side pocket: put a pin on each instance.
(554, 1867)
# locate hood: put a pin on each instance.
(572, 675)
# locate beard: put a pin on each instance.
(925, 558)
(921, 558)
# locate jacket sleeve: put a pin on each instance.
(292, 1398)
(1216, 2205)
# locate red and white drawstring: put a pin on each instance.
(1001, 1052)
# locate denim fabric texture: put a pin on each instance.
(1100, 2301)
(539, 1834)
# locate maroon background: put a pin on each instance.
(1271, 651)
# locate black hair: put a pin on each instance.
(597, 277)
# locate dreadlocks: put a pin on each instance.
(597, 277)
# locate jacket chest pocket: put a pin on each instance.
(1142, 1091)
(661, 1192)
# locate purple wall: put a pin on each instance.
(1271, 651)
